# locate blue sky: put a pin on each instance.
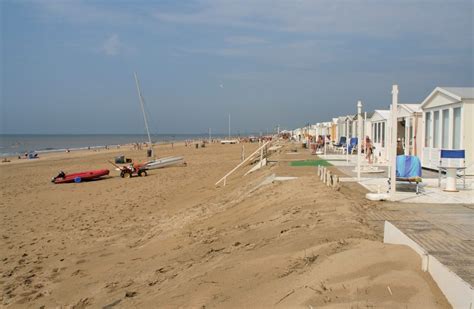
(67, 66)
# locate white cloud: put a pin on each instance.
(77, 11)
(112, 45)
(384, 19)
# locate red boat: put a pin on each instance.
(78, 177)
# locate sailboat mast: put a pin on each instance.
(143, 109)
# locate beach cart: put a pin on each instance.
(134, 169)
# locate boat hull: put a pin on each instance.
(162, 162)
(82, 176)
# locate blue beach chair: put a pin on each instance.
(353, 144)
(408, 170)
(341, 144)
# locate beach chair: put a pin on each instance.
(408, 171)
(341, 144)
(452, 159)
(353, 144)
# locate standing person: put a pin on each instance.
(368, 149)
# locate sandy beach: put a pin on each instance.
(174, 240)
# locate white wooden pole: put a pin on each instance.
(325, 136)
(365, 133)
(407, 135)
(393, 142)
(347, 140)
(359, 137)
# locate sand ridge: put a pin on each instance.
(174, 240)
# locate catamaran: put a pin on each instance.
(156, 162)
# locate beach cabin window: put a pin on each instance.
(383, 134)
(445, 135)
(375, 132)
(457, 128)
(436, 129)
(427, 129)
(378, 132)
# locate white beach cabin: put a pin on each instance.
(367, 125)
(448, 123)
(409, 129)
(341, 128)
(379, 134)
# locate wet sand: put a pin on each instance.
(172, 239)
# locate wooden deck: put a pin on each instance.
(444, 231)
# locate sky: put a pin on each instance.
(67, 66)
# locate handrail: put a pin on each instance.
(242, 163)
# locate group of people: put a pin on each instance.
(367, 146)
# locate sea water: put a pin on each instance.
(18, 144)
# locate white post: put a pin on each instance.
(365, 133)
(210, 139)
(347, 140)
(393, 142)
(407, 135)
(325, 137)
(307, 138)
(359, 137)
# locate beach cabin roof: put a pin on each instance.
(461, 92)
(407, 110)
(380, 115)
(341, 119)
(447, 95)
(369, 115)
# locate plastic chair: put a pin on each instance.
(353, 144)
(341, 144)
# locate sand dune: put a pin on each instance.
(174, 240)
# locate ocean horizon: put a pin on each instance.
(17, 144)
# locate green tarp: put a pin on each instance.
(310, 163)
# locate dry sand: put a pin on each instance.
(174, 240)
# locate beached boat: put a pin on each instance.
(156, 162)
(162, 162)
(78, 177)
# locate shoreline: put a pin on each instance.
(15, 155)
(169, 138)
